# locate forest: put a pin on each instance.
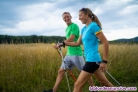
(7, 39)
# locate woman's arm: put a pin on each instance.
(74, 43)
(104, 41)
(70, 39)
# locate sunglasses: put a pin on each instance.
(83, 9)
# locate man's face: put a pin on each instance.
(67, 18)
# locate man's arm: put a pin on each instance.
(70, 39)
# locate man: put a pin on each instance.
(74, 56)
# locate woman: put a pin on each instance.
(89, 37)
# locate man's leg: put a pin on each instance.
(61, 73)
(60, 76)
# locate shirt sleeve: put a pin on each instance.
(97, 29)
(75, 30)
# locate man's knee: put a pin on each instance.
(61, 72)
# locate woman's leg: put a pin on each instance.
(82, 79)
(100, 76)
(79, 62)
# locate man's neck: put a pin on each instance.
(69, 23)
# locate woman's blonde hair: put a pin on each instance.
(92, 16)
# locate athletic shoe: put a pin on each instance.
(51, 90)
(44, 91)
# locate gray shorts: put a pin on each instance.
(72, 61)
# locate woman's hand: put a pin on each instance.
(103, 66)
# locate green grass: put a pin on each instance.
(33, 67)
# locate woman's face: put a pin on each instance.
(83, 17)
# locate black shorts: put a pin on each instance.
(90, 67)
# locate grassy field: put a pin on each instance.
(33, 67)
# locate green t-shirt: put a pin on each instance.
(73, 29)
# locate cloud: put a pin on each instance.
(129, 10)
(121, 33)
(40, 17)
(36, 19)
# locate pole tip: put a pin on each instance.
(53, 43)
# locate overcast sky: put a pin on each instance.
(119, 18)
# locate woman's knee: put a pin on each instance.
(77, 85)
(105, 82)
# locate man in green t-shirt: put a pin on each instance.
(74, 56)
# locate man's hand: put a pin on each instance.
(55, 46)
(61, 45)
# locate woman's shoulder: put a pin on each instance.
(83, 27)
(93, 24)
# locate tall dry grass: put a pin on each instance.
(123, 63)
(33, 67)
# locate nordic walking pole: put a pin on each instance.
(60, 52)
(70, 72)
(65, 72)
(113, 78)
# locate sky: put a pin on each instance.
(119, 18)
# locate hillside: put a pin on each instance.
(131, 40)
